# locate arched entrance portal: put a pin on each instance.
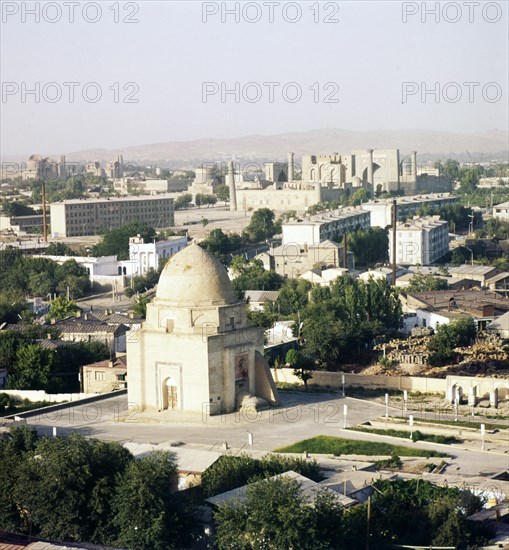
(170, 394)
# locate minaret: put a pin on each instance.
(290, 167)
(414, 164)
(230, 181)
(370, 169)
(62, 168)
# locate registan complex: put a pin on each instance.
(329, 177)
(196, 351)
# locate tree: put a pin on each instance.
(116, 241)
(460, 256)
(369, 246)
(15, 444)
(262, 226)
(140, 306)
(69, 358)
(12, 305)
(360, 196)
(61, 308)
(469, 180)
(251, 275)
(32, 369)
(222, 245)
(202, 199)
(293, 296)
(301, 366)
(460, 332)
(66, 486)
(59, 249)
(275, 514)
(230, 472)
(14, 208)
(183, 201)
(451, 169)
(344, 319)
(223, 192)
(147, 513)
(421, 282)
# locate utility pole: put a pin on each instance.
(368, 523)
(394, 252)
(345, 253)
(44, 224)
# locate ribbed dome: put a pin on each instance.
(195, 277)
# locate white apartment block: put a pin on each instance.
(144, 256)
(316, 228)
(420, 241)
(501, 211)
(81, 217)
(381, 210)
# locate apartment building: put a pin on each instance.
(381, 210)
(82, 217)
(316, 228)
(420, 241)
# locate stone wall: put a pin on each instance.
(411, 383)
(40, 395)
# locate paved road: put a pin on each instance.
(299, 417)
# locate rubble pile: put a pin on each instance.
(487, 356)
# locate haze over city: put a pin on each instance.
(164, 70)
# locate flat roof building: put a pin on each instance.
(316, 228)
(501, 211)
(420, 241)
(80, 217)
(381, 210)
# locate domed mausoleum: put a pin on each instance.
(195, 351)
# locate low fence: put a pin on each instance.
(40, 395)
(411, 383)
(90, 398)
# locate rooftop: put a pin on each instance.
(130, 198)
(328, 216)
(119, 362)
(466, 269)
(261, 295)
(189, 460)
(400, 201)
(308, 487)
(472, 301)
(426, 222)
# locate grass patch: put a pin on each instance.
(416, 435)
(459, 423)
(392, 463)
(324, 444)
(312, 388)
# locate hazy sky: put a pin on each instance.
(360, 60)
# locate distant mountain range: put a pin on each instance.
(430, 145)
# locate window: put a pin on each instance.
(99, 375)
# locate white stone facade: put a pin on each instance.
(381, 210)
(420, 241)
(81, 217)
(317, 228)
(501, 211)
(195, 351)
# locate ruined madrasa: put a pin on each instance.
(325, 178)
